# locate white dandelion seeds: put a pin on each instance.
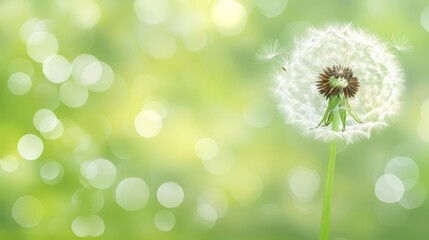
(401, 43)
(269, 51)
(323, 63)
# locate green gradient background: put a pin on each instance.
(207, 92)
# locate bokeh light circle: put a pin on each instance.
(30, 147)
(170, 194)
(206, 148)
(164, 220)
(229, 17)
(73, 95)
(31, 26)
(271, 8)
(28, 211)
(19, 83)
(104, 81)
(52, 172)
(55, 133)
(389, 188)
(424, 19)
(56, 68)
(132, 194)
(414, 197)
(148, 123)
(100, 173)
(405, 169)
(45, 120)
(88, 226)
(207, 212)
(86, 13)
(9, 163)
(304, 183)
(41, 45)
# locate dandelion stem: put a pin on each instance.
(324, 225)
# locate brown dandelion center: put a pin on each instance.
(336, 80)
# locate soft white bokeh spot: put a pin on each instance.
(56, 68)
(91, 73)
(424, 19)
(389, 188)
(88, 226)
(73, 95)
(132, 194)
(304, 183)
(165, 220)
(271, 8)
(19, 83)
(28, 211)
(86, 13)
(229, 17)
(45, 120)
(31, 26)
(207, 212)
(414, 197)
(170, 194)
(405, 169)
(41, 45)
(104, 81)
(9, 163)
(148, 123)
(30, 147)
(206, 148)
(100, 173)
(55, 133)
(52, 172)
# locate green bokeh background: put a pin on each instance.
(208, 93)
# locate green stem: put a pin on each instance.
(324, 225)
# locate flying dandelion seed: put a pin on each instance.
(338, 69)
(269, 51)
(401, 43)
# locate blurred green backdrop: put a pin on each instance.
(149, 119)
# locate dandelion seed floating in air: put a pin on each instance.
(338, 69)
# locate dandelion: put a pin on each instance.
(341, 84)
(320, 63)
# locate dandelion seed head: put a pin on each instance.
(380, 81)
(269, 51)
